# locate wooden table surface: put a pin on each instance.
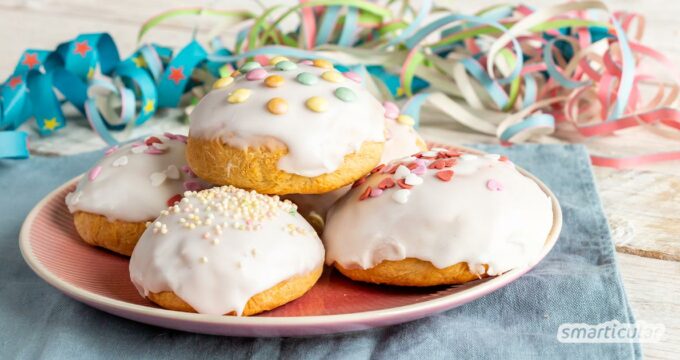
(642, 205)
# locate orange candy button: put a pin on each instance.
(273, 81)
(277, 106)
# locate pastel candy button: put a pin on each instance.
(239, 96)
(406, 120)
(306, 78)
(345, 94)
(317, 104)
(277, 106)
(353, 76)
(333, 76)
(223, 82)
(273, 81)
(285, 65)
(277, 59)
(391, 110)
(250, 65)
(321, 63)
(256, 74)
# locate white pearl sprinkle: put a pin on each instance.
(203, 260)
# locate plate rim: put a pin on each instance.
(411, 311)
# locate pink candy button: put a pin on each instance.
(391, 110)
(256, 74)
(353, 76)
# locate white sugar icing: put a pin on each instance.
(317, 141)
(135, 182)
(488, 213)
(402, 140)
(219, 247)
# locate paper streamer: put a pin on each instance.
(509, 71)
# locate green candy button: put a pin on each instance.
(345, 94)
(250, 65)
(285, 65)
(306, 78)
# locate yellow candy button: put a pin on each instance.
(223, 82)
(277, 106)
(406, 120)
(324, 64)
(317, 104)
(277, 59)
(333, 76)
(273, 81)
(239, 96)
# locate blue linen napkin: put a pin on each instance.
(578, 282)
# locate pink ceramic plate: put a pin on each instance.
(52, 248)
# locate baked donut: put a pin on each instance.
(129, 187)
(227, 251)
(286, 128)
(401, 140)
(439, 217)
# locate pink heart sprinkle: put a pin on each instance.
(170, 136)
(111, 150)
(256, 74)
(353, 76)
(494, 185)
(94, 172)
(154, 151)
(187, 170)
(376, 192)
(192, 185)
(181, 138)
(391, 110)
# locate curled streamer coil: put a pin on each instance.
(509, 71)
